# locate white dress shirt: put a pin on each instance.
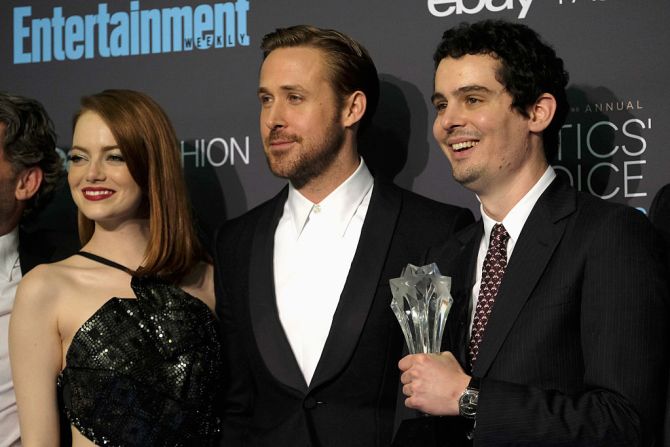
(10, 275)
(314, 247)
(513, 223)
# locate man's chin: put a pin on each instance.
(298, 181)
(466, 180)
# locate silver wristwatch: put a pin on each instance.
(467, 403)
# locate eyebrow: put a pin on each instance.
(436, 96)
(286, 88)
(462, 91)
(104, 148)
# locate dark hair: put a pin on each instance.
(148, 143)
(351, 67)
(29, 141)
(528, 66)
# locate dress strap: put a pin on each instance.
(105, 261)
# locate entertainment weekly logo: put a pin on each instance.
(130, 31)
(444, 8)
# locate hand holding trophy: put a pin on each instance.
(421, 303)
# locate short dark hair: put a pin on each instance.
(529, 66)
(29, 141)
(351, 66)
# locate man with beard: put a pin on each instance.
(302, 280)
(30, 169)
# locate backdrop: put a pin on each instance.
(200, 61)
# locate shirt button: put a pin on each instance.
(316, 208)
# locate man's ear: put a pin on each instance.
(354, 108)
(28, 183)
(541, 113)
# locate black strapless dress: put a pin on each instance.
(145, 371)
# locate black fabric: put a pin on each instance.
(576, 349)
(659, 214)
(49, 234)
(351, 398)
(145, 371)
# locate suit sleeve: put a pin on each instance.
(238, 389)
(623, 315)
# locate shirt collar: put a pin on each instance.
(517, 216)
(339, 206)
(9, 252)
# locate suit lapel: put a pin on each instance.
(541, 234)
(268, 331)
(361, 284)
(458, 259)
(465, 269)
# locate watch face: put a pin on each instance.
(467, 404)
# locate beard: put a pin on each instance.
(466, 176)
(312, 159)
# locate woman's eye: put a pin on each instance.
(116, 157)
(74, 158)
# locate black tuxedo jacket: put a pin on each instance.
(575, 351)
(352, 396)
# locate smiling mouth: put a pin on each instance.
(458, 147)
(97, 194)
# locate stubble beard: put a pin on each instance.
(466, 176)
(312, 161)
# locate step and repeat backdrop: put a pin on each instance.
(200, 60)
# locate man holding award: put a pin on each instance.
(558, 330)
(302, 280)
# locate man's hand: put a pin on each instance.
(433, 383)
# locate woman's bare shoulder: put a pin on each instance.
(48, 281)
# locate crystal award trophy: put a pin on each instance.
(421, 303)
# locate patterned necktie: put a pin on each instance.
(493, 270)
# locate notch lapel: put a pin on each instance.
(541, 234)
(361, 284)
(458, 259)
(270, 337)
(465, 269)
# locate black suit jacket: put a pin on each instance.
(352, 396)
(575, 350)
